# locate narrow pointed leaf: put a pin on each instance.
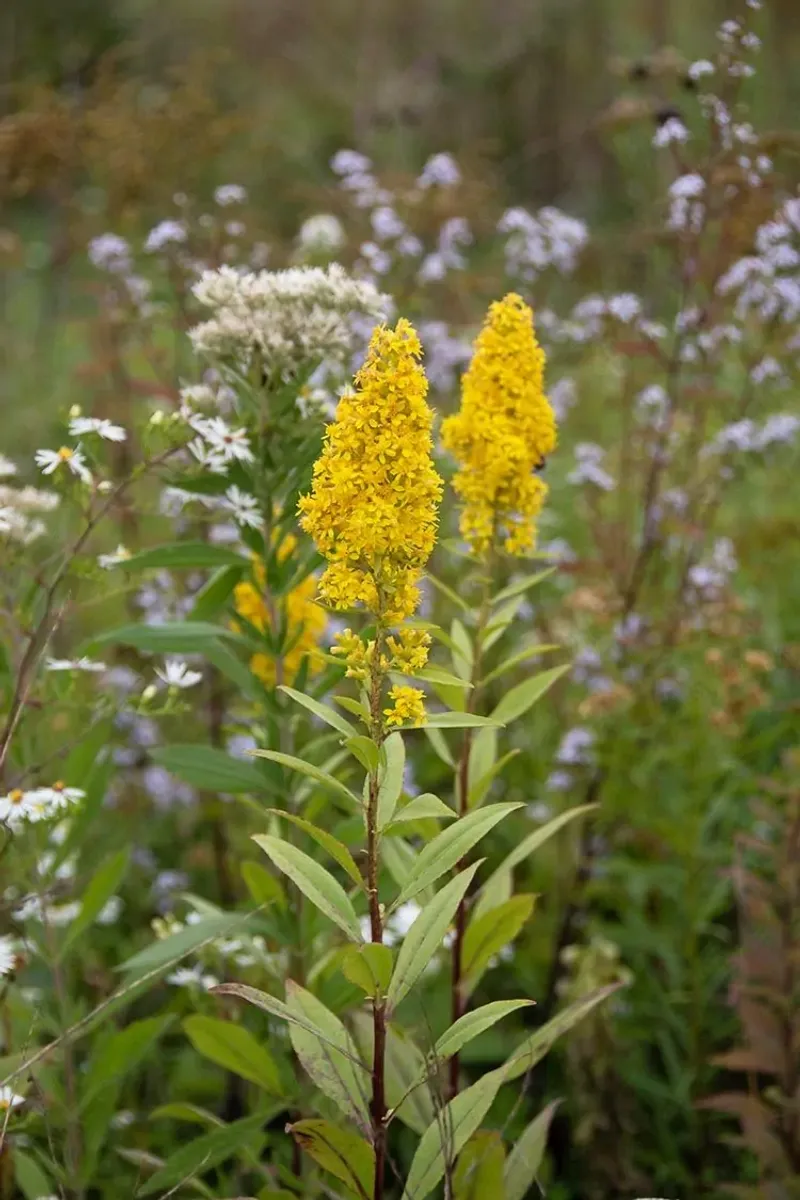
(184, 555)
(324, 711)
(337, 850)
(331, 1063)
(516, 702)
(390, 777)
(346, 1155)
(169, 950)
(369, 967)
(487, 935)
(479, 1170)
(521, 585)
(534, 1048)
(450, 846)
(421, 807)
(536, 839)
(426, 934)
(206, 1152)
(516, 660)
(457, 720)
(211, 769)
(310, 770)
(234, 1048)
(472, 1024)
(314, 881)
(439, 745)
(365, 750)
(102, 887)
(525, 1160)
(408, 1092)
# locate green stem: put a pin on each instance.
(378, 1103)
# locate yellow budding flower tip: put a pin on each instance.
(503, 432)
(304, 620)
(408, 706)
(372, 510)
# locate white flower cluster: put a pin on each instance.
(22, 508)
(589, 467)
(290, 320)
(767, 284)
(40, 804)
(751, 437)
(536, 241)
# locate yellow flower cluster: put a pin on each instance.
(408, 706)
(373, 504)
(305, 621)
(503, 432)
(408, 653)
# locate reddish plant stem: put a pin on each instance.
(378, 1102)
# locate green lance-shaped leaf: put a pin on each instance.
(536, 839)
(390, 777)
(314, 882)
(479, 1170)
(450, 846)
(516, 660)
(474, 1023)
(426, 934)
(369, 967)
(499, 889)
(439, 744)
(521, 585)
(168, 950)
(519, 699)
(420, 808)
(340, 1151)
(262, 886)
(482, 783)
(331, 1063)
(534, 1048)
(28, 1175)
(337, 850)
(313, 772)
(116, 1055)
(525, 1160)
(365, 750)
(500, 623)
(457, 720)
(214, 595)
(408, 1093)
(103, 886)
(463, 652)
(448, 1133)
(206, 1152)
(173, 637)
(487, 935)
(234, 1048)
(211, 769)
(324, 711)
(184, 555)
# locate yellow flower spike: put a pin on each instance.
(373, 504)
(408, 706)
(503, 432)
(305, 622)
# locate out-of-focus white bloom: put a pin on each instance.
(626, 307)
(548, 238)
(446, 354)
(229, 444)
(8, 956)
(349, 162)
(687, 187)
(177, 674)
(588, 467)
(120, 555)
(110, 912)
(699, 69)
(109, 252)
(673, 131)
(73, 664)
(290, 319)
(409, 246)
(7, 467)
(59, 797)
(244, 508)
(710, 577)
(63, 914)
(441, 170)
(386, 224)
(230, 193)
(562, 397)
(575, 747)
(163, 234)
(193, 977)
(559, 781)
(207, 457)
(49, 461)
(9, 1099)
(378, 260)
(18, 806)
(323, 233)
(99, 425)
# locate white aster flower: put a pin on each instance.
(176, 674)
(7, 467)
(9, 1099)
(230, 193)
(120, 555)
(227, 443)
(163, 234)
(99, 425)
(18, 806)
(207, 457)
(50, 460)
(73, 664)
(8, 956)
(59, 797)
(244, 508)
(673, 130)
(322, 233)
(192, 977)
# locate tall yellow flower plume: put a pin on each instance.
(373, 504)
(503, 432)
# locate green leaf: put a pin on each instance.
(494, 892)
(210, 769)
(214, 595)
(324, 711)
(314, 882)
(499, 624)
(457, 720)
(331, 1063)
(29, 1176)
(192, 1113)
(104, 884)
(536, 839)
(479, 1171)
(118, 1054)
(173, 637)
(452, 596)
(262, 886)
(369, 967)
(439, 745)
(390, 777)
(340, 1151)
(525, 694)
(480, 787)
(234, 1048)
(534, 1048)
(516, 660)
(525, 1160)
(438, 675)
(450, 846)
(482, 756)
(206, 1152)
(293, 1016)
(235, 670)
(365, 750)
(185, 554)
(165, 951)
(463, 653)
(445, 1136)
(421, 807)
(521, 585)
(337, 850)
(407, 1092)
(313, 772)
(472, 1024)
(425, 936)
(488, 934)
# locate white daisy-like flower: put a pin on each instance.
(63, 914)
(244, 508)
(120, 555)
(672, 130)
(50, 460)
(99, 425)
(192, 977)
(7, 467)
(230, 193)
(8, 956)
(176, 674)
(229, 443)
(208, 457)
(59, 796)
(18, 806)
(9, 1099)
(74, 664)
